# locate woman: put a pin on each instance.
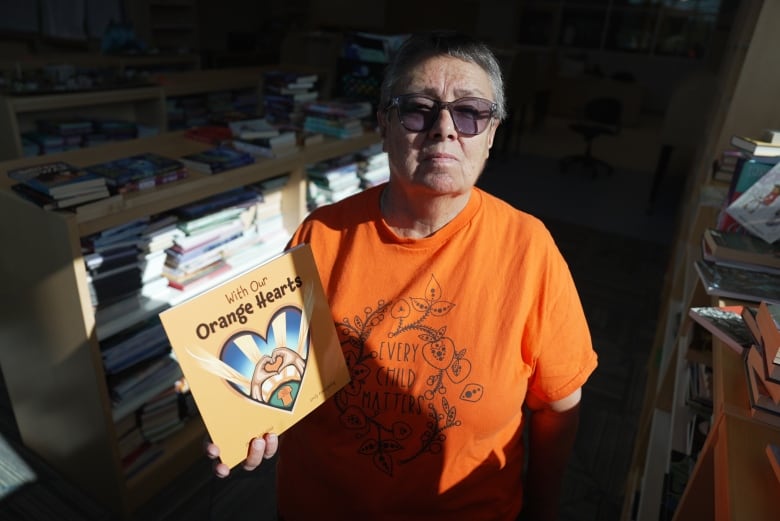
(454, 311)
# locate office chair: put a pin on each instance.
(601, 118)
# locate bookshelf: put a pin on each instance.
(143, 105)
(51, 356)
(726, 480)
(146, 105)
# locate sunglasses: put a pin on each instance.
(418, 113)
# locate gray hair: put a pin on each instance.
(421, 46)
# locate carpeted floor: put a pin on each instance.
(617, 254)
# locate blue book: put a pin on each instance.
(217, 159)
(126, 170)
(58, 179)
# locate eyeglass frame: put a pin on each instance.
(440, 105)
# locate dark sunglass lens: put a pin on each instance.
(417, 113)
(471, 115)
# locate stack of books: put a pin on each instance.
(374, 166)
(113, 263)
(740, 250)
(338, 118)
(58, 185)
(726, 281)
(285, 93)
(139, 172)
(124, 265)
(332, 181)
(217, 159)
(762, 362)
(109, 130)
(283, 144)
(213, 231)
(260, 138)
(44, 143)
(272, 233)
(71, 131)
(747, 161)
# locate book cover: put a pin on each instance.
(757, 209)
(742, 248)
(731, 282)
(259, 351)
(726, 323)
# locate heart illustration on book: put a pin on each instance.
(273, 364)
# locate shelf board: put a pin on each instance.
(34, 103)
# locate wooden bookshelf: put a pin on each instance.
(51, 355)
(726, 481)
(734, 479)
(143, 105)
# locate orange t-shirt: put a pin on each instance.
(444, 336)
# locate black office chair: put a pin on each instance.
(602, 117)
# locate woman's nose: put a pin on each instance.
(443, 125)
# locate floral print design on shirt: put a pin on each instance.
(413, 317)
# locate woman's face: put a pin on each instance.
(440, 160)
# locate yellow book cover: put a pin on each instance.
(259, 351)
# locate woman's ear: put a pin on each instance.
(492, 131)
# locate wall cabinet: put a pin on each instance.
(51, 357)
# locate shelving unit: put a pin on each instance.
(51, 356)
(142, 105)
(725, 483)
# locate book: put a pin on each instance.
(762, 406)
(736, 283)
(771, 135)
(289, 79)
(756, 359)
(57, 179)
(126, 170)
(747, 171)
(726, 323)
(767, 318)
(757, 209)
(749, 318)
(252, 128)
(755, 146)
(47, 202)
(217, 159)
(211, 134)
(278, 146)
(259, 351)
(773, 453)
(740, 248)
